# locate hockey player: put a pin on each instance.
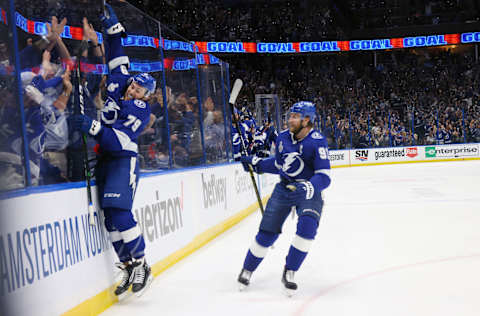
(271, 133)
(259, 140)
(123, 118)
(237, 138)
(301, 160)
(264, 139)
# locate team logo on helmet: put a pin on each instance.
(293, 164)
(140, 104)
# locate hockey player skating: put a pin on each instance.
(301, 160)
(124, 116)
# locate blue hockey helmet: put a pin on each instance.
(146, 81)
(305, 108)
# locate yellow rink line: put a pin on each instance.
(100, 302)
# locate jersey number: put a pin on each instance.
(323, 153)
(133, 122)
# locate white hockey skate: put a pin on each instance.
(244, 279)
(290, 286)
(142, 277)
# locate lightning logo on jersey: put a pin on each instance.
(300, 160)
(293, 164)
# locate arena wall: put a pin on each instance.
(394, 155)
(53, 259)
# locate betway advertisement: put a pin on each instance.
(225, 190)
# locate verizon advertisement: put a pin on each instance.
(164, 214)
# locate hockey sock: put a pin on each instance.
(258, 250)
(132, 237)
(306, 231)
(120, 248)
(116, 238)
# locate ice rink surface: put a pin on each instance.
(393, 240)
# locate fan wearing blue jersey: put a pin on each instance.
(237, 138)
(301, 160)
(124, 116)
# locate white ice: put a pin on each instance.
(393, 240)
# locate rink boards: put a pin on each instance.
(53, 259)
(394, 155)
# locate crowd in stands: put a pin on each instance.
(372, 14)
(404, 97)
(55, 154)
(424, 96)
(248, 21)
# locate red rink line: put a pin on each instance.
(312, 299)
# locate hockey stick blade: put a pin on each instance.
(237, 86)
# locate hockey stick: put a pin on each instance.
(79, 107)
(237, 85)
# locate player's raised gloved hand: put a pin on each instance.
(250, 160)
(84, 124)
(110, 21)
(300, 190)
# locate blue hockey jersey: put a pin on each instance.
(124, 119)
(300, 160)
(236, 141)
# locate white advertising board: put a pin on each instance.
(339, 157)
(50, 256)
(413, 153)
(53, 259)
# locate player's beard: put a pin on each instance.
(295, 130)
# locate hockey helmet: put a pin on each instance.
(146, 81)
(305, 108)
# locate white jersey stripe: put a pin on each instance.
(125, 141)
(115, 236)
(130, 234)
(258, 250)
(114, 63)
(301, 243)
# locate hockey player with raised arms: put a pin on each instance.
(301, 160)
(124, 116)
